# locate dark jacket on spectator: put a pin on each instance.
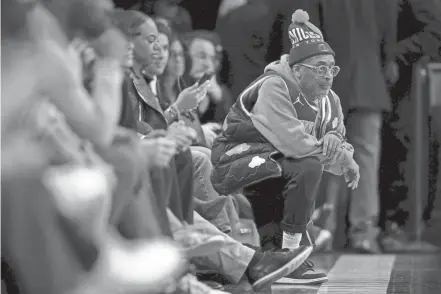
(146, 109)
(127, 118)
(358, 31)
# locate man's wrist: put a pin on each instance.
(173, 113)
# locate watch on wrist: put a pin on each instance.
(174, 112)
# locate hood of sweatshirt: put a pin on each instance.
(282, 68)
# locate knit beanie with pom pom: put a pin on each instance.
(306, 39)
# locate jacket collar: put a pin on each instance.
(143, 89)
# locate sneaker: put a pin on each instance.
(304, 275)
(189, 284)
(275, 265)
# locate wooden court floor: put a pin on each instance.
(373, 274)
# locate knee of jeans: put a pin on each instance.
(200, 159)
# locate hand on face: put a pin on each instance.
(215, 90)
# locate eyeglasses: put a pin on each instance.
(323, 70)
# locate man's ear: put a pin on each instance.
(296, 70)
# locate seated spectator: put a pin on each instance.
(142, 90)
(73, 239)
(226, 219)
(168, 89)
(288, 124)
(170, 83)
(137, 25)
(203, 52)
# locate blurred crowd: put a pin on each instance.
(137, 93)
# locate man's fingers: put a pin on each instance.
(332, 148)
(339, 154)
(183, 139)
(166, 143)
(319, 143)
(325, 147)
(194, 86)
(166, 153)
(346, 176)
(163, 160)
(357, 180)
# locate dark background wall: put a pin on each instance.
(204, 12)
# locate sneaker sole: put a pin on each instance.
(283, 271)
(288, 281)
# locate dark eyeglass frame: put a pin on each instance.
(322, 70)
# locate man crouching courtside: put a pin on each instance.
(288, 124)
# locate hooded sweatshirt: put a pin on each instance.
(293, 125)
(271, 118)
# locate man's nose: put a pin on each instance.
(208, 65)
(156, 47)
(328, 75)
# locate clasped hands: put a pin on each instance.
(161, 145)
(333, 150)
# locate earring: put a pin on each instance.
(130, 55)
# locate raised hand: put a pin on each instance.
(190, 97)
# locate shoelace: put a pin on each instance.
(308, 265)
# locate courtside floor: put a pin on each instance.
(373, 274)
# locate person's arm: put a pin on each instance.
(172, 114)
(92, 118)
(340, 129)
(275, 117)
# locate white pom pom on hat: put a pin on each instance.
(300, 16)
